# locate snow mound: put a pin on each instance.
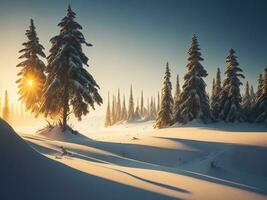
(56, 133)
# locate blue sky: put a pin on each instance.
(133, 39)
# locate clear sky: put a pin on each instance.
(133, 39)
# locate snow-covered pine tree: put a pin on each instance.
(137, 111)
(158, 103)
(230, 97)
(124, 110)
(147, 115)
(259, 89)
(252, 96)
(108, 114)
(118, 108)
(154, 106)
(152, 109)
(113, 110)
(69, 87)
(246, 103)
(194, 101)
(130, 116)
(213, 85)
(260, 108)
(164, 116)
(218, 87)
(6, 109)
(215, 96)
(142, 105)
(31, 76)
(176, 97)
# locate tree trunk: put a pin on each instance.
(65, 108)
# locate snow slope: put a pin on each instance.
(170, 163)
(26, 174)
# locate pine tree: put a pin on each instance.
(147, 117)
(31, 76)
(142, 105)
(259, 89)
(218, 87)
(176, 97)
(164, 116)
(158, 105)
(124, 110)
(230, 98)
(154, 107)
(246, 103)
(194, 101)
(108, 114)
(113, 111)
(69, 84)
(118, 108)
(137, 111)
(153, 112)
(6, 109)
(215, 96)
(252, 96)
(260, 108)
(212, 97)
(130, 116)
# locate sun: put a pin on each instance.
(30, 83)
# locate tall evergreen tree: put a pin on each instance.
(108, 114)
(130, 116)
(213, 85)
(31, 76)
(142, 105)
(252, 96)
(158, 103)
(260, 86)
(230, 97)
(118, 109)
(176, 97)
(164, 116)
(215, 96)
(147, 110)
(137, 111)
(218, 86)
(69, 84)
(153, 111)
(260, 109)
(124, 110)
(246, 103)
(194, 101)
(113, 111)
(6, 108)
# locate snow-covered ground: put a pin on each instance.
(134, 161)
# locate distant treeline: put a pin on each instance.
(225, 103)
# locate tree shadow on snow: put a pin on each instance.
(228, 127)
(129, 157)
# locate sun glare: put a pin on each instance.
(30, 83)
